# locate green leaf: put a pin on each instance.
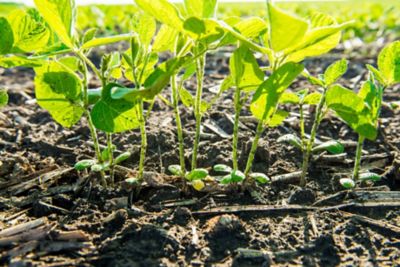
(175, 169)
(122, 157)
(350, 108)
(289, 98)
(186, 97)
(29, 34)
(312, 99)
(201, 9)
(145, 26)
(317, 41)
(6, 36)
(285, 29)
(106, 40)
(290, 139)
(278, 118)
(335, 71)
(260, 178)
(372, 96)
(165, 39)
(59, 91)
(266, 98)
(60, 15)
(203, 30)
(347, 183)
(20, 61)
(389, 63)
(222, 168)
(162, 11)
(249, 28)
(245, 70)
(98, 167)
(377, 74)
(94, 95)
(3, 98)
(227, 179)
(114, 116)
(197, 174)
(90, 34)
(84, 164)
(333, 147)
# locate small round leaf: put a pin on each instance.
(175, 169)
(84, 164)
(370, 176)
(222, 168)
(260, 178)
(124, 156)
(237, 176)
(198, 185)
(197, 174)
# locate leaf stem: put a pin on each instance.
(200, 64)
(178, 122)
(357, 162)
(238, 107)
(253, 150)
(310, 143)
(111, 155)
(143, 136)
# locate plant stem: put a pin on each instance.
(309, 144)
(238, 107)
(92, 128)
(200, 63)
(253, 150)
(357, 162)
(178, 123)
(143, 146)
(111, 154)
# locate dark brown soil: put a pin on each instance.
(282, 225)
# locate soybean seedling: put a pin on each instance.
(285, 47)
(325, 81)
(366, 123)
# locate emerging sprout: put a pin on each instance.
(370, 176)
(260, 178)
(333, 147)
(222, 168)
(197, 174)
(291, 139)
(84, 164)
(347, 183)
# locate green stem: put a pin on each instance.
(111, 154)
(92, 128)
(238, 107)
(200, 63)
(178, 121)
(253, 150)
(309, 144)
(357, 162)
(143, 146)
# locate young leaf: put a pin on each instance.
(347, 183)
(389, 63)
(377, 74)
(122, 157)
(285, 29)
(227, 179)
(114, 116)
(350, 108)
(203, 30)
(201, 9)
(60, 15)
(6, 36)
(197, 174)
(289, 98)
(186, 97)
(332, 147)
(266, 98)
(291, 139)
(222, 168)
(165, 39)
(335, 71)
(372, 95)
(163, 11)
(175, 169)
(245, 70)
(312, 99)
(20, 61)
(260, 178)
(145, 27)
(3, 98)
(29, 34)
(106, 40)
(58, 90)
(278, 118)
(84, 164)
